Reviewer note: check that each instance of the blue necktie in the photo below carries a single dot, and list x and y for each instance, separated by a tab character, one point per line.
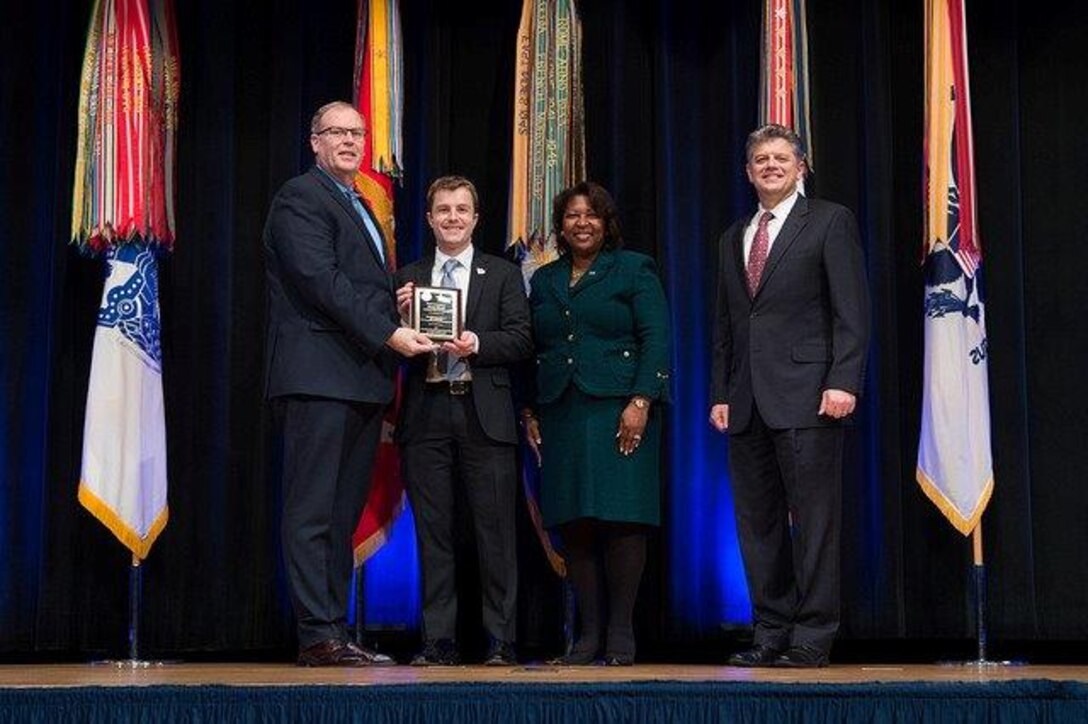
450	369
375	235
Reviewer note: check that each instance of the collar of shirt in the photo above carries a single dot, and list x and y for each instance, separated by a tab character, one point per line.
461	274
781	211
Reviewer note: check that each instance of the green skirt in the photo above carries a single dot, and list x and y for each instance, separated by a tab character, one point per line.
583	473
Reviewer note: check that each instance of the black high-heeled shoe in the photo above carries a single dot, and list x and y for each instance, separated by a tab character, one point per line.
576	657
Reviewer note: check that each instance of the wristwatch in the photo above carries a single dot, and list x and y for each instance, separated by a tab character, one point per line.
640	402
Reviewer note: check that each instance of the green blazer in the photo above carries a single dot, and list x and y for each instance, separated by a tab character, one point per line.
608	334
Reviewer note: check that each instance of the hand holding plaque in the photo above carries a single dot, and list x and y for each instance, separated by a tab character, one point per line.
436	312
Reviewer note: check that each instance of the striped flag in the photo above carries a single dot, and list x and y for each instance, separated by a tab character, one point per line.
378	88
783	70
123	209
955	469
549	155
549	126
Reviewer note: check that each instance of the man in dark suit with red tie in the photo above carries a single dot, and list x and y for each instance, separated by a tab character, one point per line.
790	339
331	353
457	427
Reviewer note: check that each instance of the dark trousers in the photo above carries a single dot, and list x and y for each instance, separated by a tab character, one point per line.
792	571
328	455
450	446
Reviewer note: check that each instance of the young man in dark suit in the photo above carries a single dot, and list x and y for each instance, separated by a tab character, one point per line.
333	335
457	425
790	340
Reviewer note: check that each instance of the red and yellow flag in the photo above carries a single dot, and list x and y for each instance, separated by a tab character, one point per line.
378	97
125	161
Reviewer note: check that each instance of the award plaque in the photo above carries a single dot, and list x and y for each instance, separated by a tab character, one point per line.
436	312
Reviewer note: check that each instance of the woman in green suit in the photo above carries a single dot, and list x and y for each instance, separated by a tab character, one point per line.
600	324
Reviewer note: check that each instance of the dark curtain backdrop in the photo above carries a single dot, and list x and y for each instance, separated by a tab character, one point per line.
670	95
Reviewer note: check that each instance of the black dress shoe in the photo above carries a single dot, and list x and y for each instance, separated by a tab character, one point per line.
576	657
758	655
802	657
619	659
330	652
500	653
438	652
368	656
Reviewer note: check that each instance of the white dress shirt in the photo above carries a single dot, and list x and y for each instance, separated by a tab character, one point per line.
781	211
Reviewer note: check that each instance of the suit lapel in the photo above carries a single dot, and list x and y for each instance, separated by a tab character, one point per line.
787	235
477	278
598	271
349	209
560	280
738	251
421	272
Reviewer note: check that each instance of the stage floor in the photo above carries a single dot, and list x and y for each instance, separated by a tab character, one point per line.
273	675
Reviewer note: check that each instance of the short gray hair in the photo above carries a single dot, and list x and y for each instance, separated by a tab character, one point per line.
315	122
770	132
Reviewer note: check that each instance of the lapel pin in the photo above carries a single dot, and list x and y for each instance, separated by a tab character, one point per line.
481	270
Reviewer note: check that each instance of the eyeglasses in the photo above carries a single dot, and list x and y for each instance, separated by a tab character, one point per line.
339	133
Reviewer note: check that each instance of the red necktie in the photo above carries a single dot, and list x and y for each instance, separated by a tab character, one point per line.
757	255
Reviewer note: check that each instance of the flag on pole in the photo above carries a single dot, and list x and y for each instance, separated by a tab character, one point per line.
123	477
123	209
549	155
378	88
783	69
955	468
549	151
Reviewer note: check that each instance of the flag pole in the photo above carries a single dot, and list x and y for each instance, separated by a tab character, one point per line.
135	586
135	595
358	574
981	632
980	593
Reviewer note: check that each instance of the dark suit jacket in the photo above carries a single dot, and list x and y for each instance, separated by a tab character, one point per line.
609	335
332	304
806	330
497	311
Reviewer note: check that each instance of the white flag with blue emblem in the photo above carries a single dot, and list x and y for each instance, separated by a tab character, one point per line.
123	479
955	469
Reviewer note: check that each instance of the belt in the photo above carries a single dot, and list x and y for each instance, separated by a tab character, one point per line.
453	387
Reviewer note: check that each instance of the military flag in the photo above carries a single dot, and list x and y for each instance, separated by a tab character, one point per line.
378	84
549	127
548	156
123	210
955	469
783	69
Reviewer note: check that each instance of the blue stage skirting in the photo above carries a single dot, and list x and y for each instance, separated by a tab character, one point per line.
1015	701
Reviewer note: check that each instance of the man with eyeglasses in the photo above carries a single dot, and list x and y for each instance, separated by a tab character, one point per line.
331	353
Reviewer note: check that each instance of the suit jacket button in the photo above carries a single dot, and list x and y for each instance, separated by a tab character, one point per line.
570	360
